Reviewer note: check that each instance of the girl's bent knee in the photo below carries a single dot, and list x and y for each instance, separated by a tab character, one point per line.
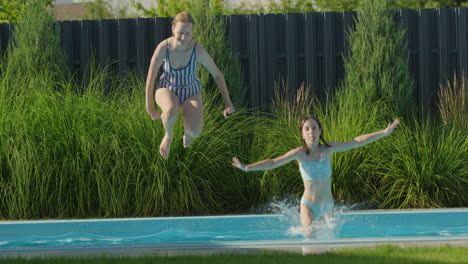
170	115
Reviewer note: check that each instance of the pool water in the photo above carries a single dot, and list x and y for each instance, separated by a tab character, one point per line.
441	224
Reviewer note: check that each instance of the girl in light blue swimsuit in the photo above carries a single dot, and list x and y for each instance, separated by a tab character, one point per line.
315	167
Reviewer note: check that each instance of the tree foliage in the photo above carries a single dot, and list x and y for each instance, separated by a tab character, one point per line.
98	10
102	9
11	10
167	8
275	6
35	45
348	5
377	68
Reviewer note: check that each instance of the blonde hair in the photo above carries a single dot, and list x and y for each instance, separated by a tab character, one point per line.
183	17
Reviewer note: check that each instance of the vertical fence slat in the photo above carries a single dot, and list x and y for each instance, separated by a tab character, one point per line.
160	29
4	37
234	31
94	40
104	53
462	41
404	23
67	44
424	61
348	23
330	54
131	49
253	52
85	43
443	47
311	52
141	46
272	36
263	59
122	44
291	57
85	46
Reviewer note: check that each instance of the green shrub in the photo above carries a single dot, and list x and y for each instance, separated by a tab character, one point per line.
423	166
210	31
78	151
453	103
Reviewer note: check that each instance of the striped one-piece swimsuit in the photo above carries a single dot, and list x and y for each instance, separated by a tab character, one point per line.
183	82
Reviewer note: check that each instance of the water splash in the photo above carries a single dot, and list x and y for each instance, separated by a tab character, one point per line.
326	228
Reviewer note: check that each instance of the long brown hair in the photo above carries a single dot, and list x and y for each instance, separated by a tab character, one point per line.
301	124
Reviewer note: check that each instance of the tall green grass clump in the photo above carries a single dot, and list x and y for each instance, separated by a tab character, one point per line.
422	164
377	68
35	45
453	102
32	56
210	30
77	151
377	88
32	59
429	165
426	167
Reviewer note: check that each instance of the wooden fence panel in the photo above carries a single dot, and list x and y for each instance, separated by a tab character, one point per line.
302	48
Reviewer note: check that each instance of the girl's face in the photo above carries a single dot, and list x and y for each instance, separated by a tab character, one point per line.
311	132
182	32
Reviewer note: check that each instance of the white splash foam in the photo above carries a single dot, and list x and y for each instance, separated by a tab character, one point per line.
324	229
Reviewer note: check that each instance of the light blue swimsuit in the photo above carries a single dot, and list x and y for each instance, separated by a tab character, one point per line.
317	170
183	82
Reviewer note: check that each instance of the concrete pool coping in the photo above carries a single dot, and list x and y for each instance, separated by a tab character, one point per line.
238	247
351	212
232	247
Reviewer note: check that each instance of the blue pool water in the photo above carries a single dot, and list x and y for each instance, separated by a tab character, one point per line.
443	224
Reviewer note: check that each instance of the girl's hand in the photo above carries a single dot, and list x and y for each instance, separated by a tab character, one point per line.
155	115
228	110
236	163
391	126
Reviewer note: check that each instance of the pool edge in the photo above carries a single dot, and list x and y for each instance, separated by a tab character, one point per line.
241	247
184	249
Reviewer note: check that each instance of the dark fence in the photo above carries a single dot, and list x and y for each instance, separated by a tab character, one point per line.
304	48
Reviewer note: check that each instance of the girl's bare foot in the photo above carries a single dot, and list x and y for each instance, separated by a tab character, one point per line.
165	146
187	140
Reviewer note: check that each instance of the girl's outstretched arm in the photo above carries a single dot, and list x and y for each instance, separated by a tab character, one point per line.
206	60
364	139
155	64
268	163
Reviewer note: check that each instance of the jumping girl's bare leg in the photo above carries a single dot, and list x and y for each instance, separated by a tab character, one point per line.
192	110
169	104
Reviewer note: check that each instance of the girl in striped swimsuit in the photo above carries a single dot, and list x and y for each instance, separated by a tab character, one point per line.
179	85
315	167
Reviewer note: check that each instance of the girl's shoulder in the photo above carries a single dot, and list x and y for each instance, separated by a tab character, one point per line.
198	46
163	45
326	149
299	152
